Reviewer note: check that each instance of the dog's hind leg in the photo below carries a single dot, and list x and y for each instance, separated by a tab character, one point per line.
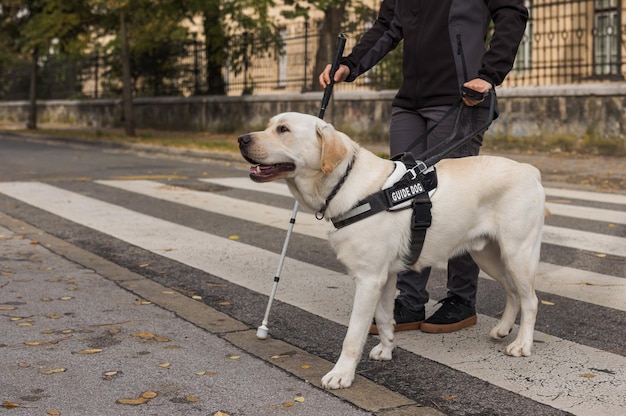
384	321
368	292
523	268
489	259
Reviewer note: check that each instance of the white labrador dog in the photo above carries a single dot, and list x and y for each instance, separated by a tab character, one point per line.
491	207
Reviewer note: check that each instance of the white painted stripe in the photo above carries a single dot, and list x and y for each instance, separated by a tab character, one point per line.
306	223
587	213
551	376
587	196
607	291
590	287
584	240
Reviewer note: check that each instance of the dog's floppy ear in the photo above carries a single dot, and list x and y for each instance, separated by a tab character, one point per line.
333	149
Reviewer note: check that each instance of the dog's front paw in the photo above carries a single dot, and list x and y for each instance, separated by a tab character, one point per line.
337	380
381	353
519	348
498	332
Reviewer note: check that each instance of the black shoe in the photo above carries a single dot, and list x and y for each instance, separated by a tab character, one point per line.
406	319
453	315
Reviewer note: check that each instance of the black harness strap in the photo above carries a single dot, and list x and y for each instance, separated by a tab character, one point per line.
420	221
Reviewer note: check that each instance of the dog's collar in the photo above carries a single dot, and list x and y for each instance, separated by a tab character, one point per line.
320	214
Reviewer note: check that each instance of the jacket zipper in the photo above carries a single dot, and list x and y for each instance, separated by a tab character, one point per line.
459	51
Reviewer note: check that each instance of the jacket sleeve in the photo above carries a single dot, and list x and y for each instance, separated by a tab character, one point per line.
509	18
375	43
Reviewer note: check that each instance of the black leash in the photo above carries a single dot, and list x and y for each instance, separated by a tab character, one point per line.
451	142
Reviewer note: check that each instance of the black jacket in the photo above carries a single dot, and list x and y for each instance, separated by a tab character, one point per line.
444	45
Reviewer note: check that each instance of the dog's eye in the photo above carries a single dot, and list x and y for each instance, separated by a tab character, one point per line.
282	129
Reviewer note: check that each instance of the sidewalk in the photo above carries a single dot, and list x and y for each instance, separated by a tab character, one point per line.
83	336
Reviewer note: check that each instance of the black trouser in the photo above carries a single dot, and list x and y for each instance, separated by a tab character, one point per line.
406	126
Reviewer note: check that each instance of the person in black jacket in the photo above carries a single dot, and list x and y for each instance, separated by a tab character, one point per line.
444	49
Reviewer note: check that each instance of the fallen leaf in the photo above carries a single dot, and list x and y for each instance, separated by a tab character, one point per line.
276	357
143	265
287	404
164	365
299	399
224	303
110	373
234	357
588	375
454	396
7	308
53	412
196	297
48	331
90	351
305	366
114	331
46	299
132	402
24	324
53	316
546	302
65	298
10	405
161	339
34	242
143	302
146	335
219	413
53	371
149	394
192	399
205	373
601	255
233	237
168	292
172	347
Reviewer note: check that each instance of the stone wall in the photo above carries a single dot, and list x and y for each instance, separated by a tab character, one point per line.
587	112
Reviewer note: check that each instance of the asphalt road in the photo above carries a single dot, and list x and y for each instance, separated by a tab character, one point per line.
190	223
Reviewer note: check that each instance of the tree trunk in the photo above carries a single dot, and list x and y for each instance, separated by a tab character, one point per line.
127	94
329	29
31	124
215	40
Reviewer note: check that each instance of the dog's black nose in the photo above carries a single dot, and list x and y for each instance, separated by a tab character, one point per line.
244	140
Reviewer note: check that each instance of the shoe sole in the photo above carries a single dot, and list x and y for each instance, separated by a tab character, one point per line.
446	328
409	326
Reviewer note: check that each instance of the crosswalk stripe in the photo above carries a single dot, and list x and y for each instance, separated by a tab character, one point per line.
586	213
586	195
232	207
469	351
584	240
608	291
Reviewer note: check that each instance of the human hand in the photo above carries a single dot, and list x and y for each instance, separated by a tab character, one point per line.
479	85
340	75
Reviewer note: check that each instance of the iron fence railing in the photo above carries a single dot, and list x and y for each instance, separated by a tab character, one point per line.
566	42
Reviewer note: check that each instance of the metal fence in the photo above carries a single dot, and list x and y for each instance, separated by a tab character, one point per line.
566	42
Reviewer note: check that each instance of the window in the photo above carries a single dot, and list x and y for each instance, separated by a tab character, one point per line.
524	52
606	38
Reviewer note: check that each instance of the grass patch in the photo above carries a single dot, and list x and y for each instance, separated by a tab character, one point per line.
193	140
